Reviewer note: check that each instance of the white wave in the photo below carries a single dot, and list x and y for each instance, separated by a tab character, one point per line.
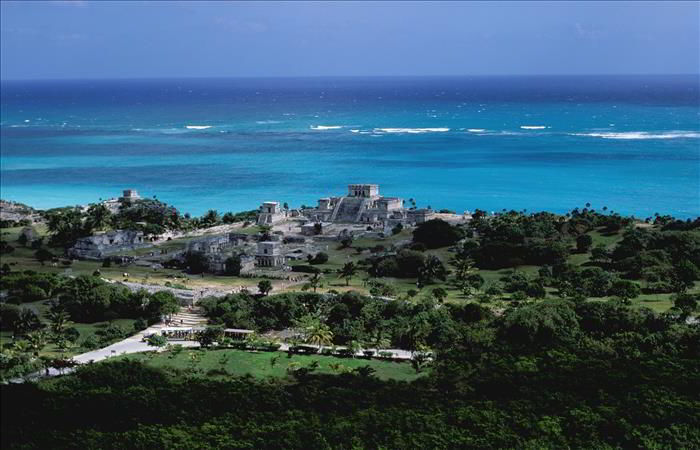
325	127
475	130
634	135
354	131
267	122
197	127
411	130
533	127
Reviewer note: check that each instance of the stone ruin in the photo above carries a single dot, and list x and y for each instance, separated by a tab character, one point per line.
271	213
105	244
269	254
362	205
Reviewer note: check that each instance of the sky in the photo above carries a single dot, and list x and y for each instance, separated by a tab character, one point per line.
81	39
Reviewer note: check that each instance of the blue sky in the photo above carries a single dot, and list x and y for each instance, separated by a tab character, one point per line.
78	39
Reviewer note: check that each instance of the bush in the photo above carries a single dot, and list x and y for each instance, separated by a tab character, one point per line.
111	333
306	269
9	315
139	325
157	340
625	289
320	258
584	243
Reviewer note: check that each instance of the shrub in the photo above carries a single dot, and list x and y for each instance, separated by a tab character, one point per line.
305	269
320	258
157	340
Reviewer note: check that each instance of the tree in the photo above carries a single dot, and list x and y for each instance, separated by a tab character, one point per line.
264	287
432	269
210	219
348	271
440	294
37	341
98	217
196	262
464	271
421	358
161	303
27	322
86	298
314	282
233	265
346	242
437	233
314	331
600	253
42	255
59	318
209	335
687	304
625	289
583	243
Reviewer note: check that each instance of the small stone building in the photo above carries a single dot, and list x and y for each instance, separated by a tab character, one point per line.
271	213
420	215
269	255
130	195
101	245
311	229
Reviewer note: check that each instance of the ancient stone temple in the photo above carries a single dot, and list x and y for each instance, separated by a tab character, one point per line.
130	195
362	204
271	213
269	254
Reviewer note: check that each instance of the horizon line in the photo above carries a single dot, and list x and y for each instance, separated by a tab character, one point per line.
248	77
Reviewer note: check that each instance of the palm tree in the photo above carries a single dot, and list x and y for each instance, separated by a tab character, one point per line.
59	321
432	268
320	335
97	217
348	271
464	269
315	332
315	281
37	341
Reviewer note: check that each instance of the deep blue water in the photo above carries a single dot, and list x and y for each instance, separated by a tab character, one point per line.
541	143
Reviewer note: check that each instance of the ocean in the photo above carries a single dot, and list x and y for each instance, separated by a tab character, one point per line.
630	143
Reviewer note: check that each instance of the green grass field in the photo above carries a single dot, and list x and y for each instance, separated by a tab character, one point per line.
261	365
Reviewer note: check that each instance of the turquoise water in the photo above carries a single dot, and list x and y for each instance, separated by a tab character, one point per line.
536	143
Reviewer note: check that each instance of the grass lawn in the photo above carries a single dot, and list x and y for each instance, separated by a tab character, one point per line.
239	363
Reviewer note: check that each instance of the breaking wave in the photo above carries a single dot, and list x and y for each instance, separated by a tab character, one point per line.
197	127
267	122
326	127
634	135
533	127
411	130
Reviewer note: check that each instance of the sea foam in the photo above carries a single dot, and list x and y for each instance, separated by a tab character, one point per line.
635	135
533	127
197	127
411	130
325	127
